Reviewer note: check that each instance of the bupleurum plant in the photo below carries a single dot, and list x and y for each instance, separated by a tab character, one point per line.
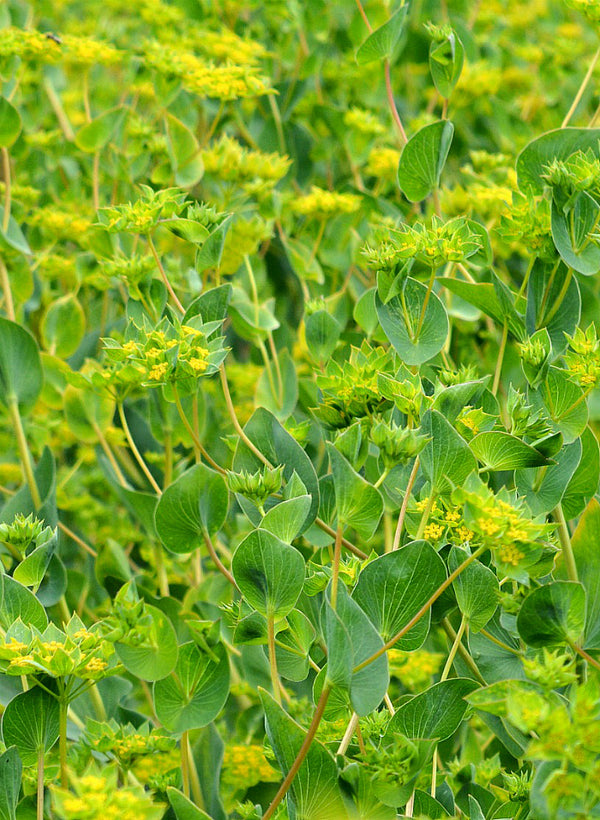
299	410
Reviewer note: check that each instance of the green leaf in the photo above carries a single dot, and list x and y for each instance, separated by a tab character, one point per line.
279	447
16	601
423	159
436	713
293	646
570	232
184	152
446	459
586	549
563	402
476	589
584	482
415	324
210	253
427	806
544	491
558	144
446	60
183	807
553	614
281	402
87	412
156	657
30	572
501	451
63	326
21	375
394	587
96	134
286	520
31	723
484	295
322	335
13	237
544	289
10	783
314	792
380	44
10	123
358	504
195	693
269	573
194	505
351	638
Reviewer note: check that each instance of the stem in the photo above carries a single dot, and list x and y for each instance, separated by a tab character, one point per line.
58	109
161	573
62	742
411	480
96	180
425	608
110	456
454	649
498	370
425	303
312	731
582	653
24	454
164	276
135	451
582	87
565	542
364	16
185	764
273	658
337	554
348	544
275	359
96	699
350	729
197	443
278	125
40	785
218	563
234	419
7	188
73	535
559	299
9	306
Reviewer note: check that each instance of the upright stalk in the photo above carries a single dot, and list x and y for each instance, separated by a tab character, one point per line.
273	658
565	542
24	454
40	784
62	740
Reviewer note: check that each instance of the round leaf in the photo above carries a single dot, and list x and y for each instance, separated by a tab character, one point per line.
157	656
20	366
10	123
63	326
423	159
31	723
553	614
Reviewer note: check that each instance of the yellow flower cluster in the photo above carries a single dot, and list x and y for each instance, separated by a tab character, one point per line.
414	669
364	121
98	796
589	8
223	45
29	45
224	82
85	51
60	224
583	357
321	203
244	766
446	522
228	160
383	163
243	238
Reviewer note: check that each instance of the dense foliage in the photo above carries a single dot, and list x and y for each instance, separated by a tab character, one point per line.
299	369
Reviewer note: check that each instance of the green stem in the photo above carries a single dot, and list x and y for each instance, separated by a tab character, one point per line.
273	658
582	87
98	703
565	542
197	443
135	451
24	454
424	609
9	306
500	360
40	784
425	303
425	516
559	299
337	554
96	180
454	649
164	276
62	741
110	455
278	124
217	561
185	764
411	480
310	735
7	188
234	420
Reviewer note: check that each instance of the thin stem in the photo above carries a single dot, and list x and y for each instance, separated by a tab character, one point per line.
218	563
364	16
197	443
411	481
454	649
498	371
337	554
59	111
350	729
499	643
164	276
24	454
347	544
96	180
185	764
565	542
278	124
582	87
425	303
273	658
135	451
62	741
9	306
425	608
312	731
40	784
582	653
275	359
234	420
7	188
161	572
392	103
73	535
110	456
559	299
